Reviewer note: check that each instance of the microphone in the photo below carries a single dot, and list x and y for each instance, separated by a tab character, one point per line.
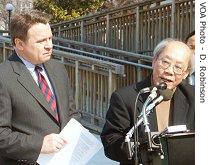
160	86
167	94
164	95
153	94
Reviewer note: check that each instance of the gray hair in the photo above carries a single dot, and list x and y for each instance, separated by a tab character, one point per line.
162	45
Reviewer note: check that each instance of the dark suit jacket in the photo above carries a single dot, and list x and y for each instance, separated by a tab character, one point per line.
119	118
25	115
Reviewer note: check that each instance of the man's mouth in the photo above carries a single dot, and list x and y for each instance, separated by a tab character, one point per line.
166	80
47	53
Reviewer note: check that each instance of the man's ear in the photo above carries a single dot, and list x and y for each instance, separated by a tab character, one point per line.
19	44
153	61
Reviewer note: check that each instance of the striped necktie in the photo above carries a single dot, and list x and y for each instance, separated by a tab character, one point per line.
49	96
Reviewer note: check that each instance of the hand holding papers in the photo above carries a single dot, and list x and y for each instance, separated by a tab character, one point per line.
81	146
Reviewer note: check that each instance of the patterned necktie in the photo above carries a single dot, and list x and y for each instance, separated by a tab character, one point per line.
49	96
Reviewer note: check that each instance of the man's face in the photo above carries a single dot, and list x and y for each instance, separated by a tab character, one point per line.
171	65
191	43
37	48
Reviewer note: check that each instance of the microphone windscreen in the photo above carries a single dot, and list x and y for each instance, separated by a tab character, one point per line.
167	94
162	85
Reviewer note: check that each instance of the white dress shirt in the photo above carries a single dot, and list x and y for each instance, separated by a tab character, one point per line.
31	68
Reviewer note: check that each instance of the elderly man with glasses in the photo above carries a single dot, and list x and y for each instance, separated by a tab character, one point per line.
171	64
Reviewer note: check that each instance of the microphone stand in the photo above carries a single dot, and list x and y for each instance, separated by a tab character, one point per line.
149	109
162	86
146	110
145	118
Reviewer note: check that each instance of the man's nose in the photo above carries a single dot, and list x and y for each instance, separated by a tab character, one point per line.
49	44
170	69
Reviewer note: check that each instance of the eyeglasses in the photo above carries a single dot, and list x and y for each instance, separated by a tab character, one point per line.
164	64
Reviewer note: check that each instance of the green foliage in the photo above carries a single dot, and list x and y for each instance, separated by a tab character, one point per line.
62	10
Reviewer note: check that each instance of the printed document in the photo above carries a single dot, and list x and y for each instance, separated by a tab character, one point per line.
81	146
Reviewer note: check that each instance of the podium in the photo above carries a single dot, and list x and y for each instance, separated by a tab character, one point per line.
179	149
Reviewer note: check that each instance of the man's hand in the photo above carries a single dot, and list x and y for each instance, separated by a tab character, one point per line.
52	143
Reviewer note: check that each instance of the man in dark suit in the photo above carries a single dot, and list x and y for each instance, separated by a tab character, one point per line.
171	64
35	97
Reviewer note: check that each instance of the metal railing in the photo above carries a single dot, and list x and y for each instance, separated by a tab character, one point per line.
137	66
93	81
6	48
135	28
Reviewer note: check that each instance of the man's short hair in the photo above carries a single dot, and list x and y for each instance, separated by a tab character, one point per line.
189	35
22	22
161	46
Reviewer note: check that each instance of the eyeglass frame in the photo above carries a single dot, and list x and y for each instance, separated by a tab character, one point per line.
168	64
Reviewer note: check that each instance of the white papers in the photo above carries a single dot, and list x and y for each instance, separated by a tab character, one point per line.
81	147
175	129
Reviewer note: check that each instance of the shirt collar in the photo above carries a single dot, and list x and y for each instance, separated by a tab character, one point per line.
28	64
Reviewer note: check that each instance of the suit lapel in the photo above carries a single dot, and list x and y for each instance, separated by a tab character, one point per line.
26	80
180	108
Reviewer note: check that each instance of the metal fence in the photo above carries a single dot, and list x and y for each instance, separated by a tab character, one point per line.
133	72
93	81
136	28
5	48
